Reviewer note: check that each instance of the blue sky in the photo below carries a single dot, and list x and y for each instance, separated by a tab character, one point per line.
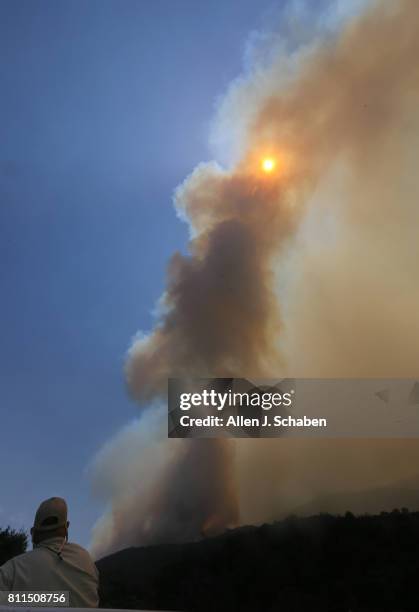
105	107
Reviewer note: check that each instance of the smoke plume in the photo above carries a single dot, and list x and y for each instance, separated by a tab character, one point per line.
308	271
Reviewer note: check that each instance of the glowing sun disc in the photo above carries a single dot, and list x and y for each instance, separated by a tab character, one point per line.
268	164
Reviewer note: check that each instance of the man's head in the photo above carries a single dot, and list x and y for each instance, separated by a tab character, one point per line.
50	520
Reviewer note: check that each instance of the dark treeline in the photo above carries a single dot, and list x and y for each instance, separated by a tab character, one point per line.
321	563
12	543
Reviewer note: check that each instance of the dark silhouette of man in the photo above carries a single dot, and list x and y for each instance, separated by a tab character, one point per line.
54	564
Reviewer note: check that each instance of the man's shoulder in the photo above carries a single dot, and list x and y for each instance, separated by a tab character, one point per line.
81	553
22	558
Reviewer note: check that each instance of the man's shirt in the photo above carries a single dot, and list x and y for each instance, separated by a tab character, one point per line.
50	566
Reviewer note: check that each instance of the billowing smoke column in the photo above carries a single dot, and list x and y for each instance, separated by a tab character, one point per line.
307	270
220	316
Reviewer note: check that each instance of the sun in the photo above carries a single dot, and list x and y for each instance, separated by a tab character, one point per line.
268	164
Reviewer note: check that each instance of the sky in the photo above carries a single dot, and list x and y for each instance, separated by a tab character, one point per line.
105	107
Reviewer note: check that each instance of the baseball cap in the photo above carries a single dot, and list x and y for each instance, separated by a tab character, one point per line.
51	514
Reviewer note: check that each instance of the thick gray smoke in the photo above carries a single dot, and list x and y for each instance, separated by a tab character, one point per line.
309	270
